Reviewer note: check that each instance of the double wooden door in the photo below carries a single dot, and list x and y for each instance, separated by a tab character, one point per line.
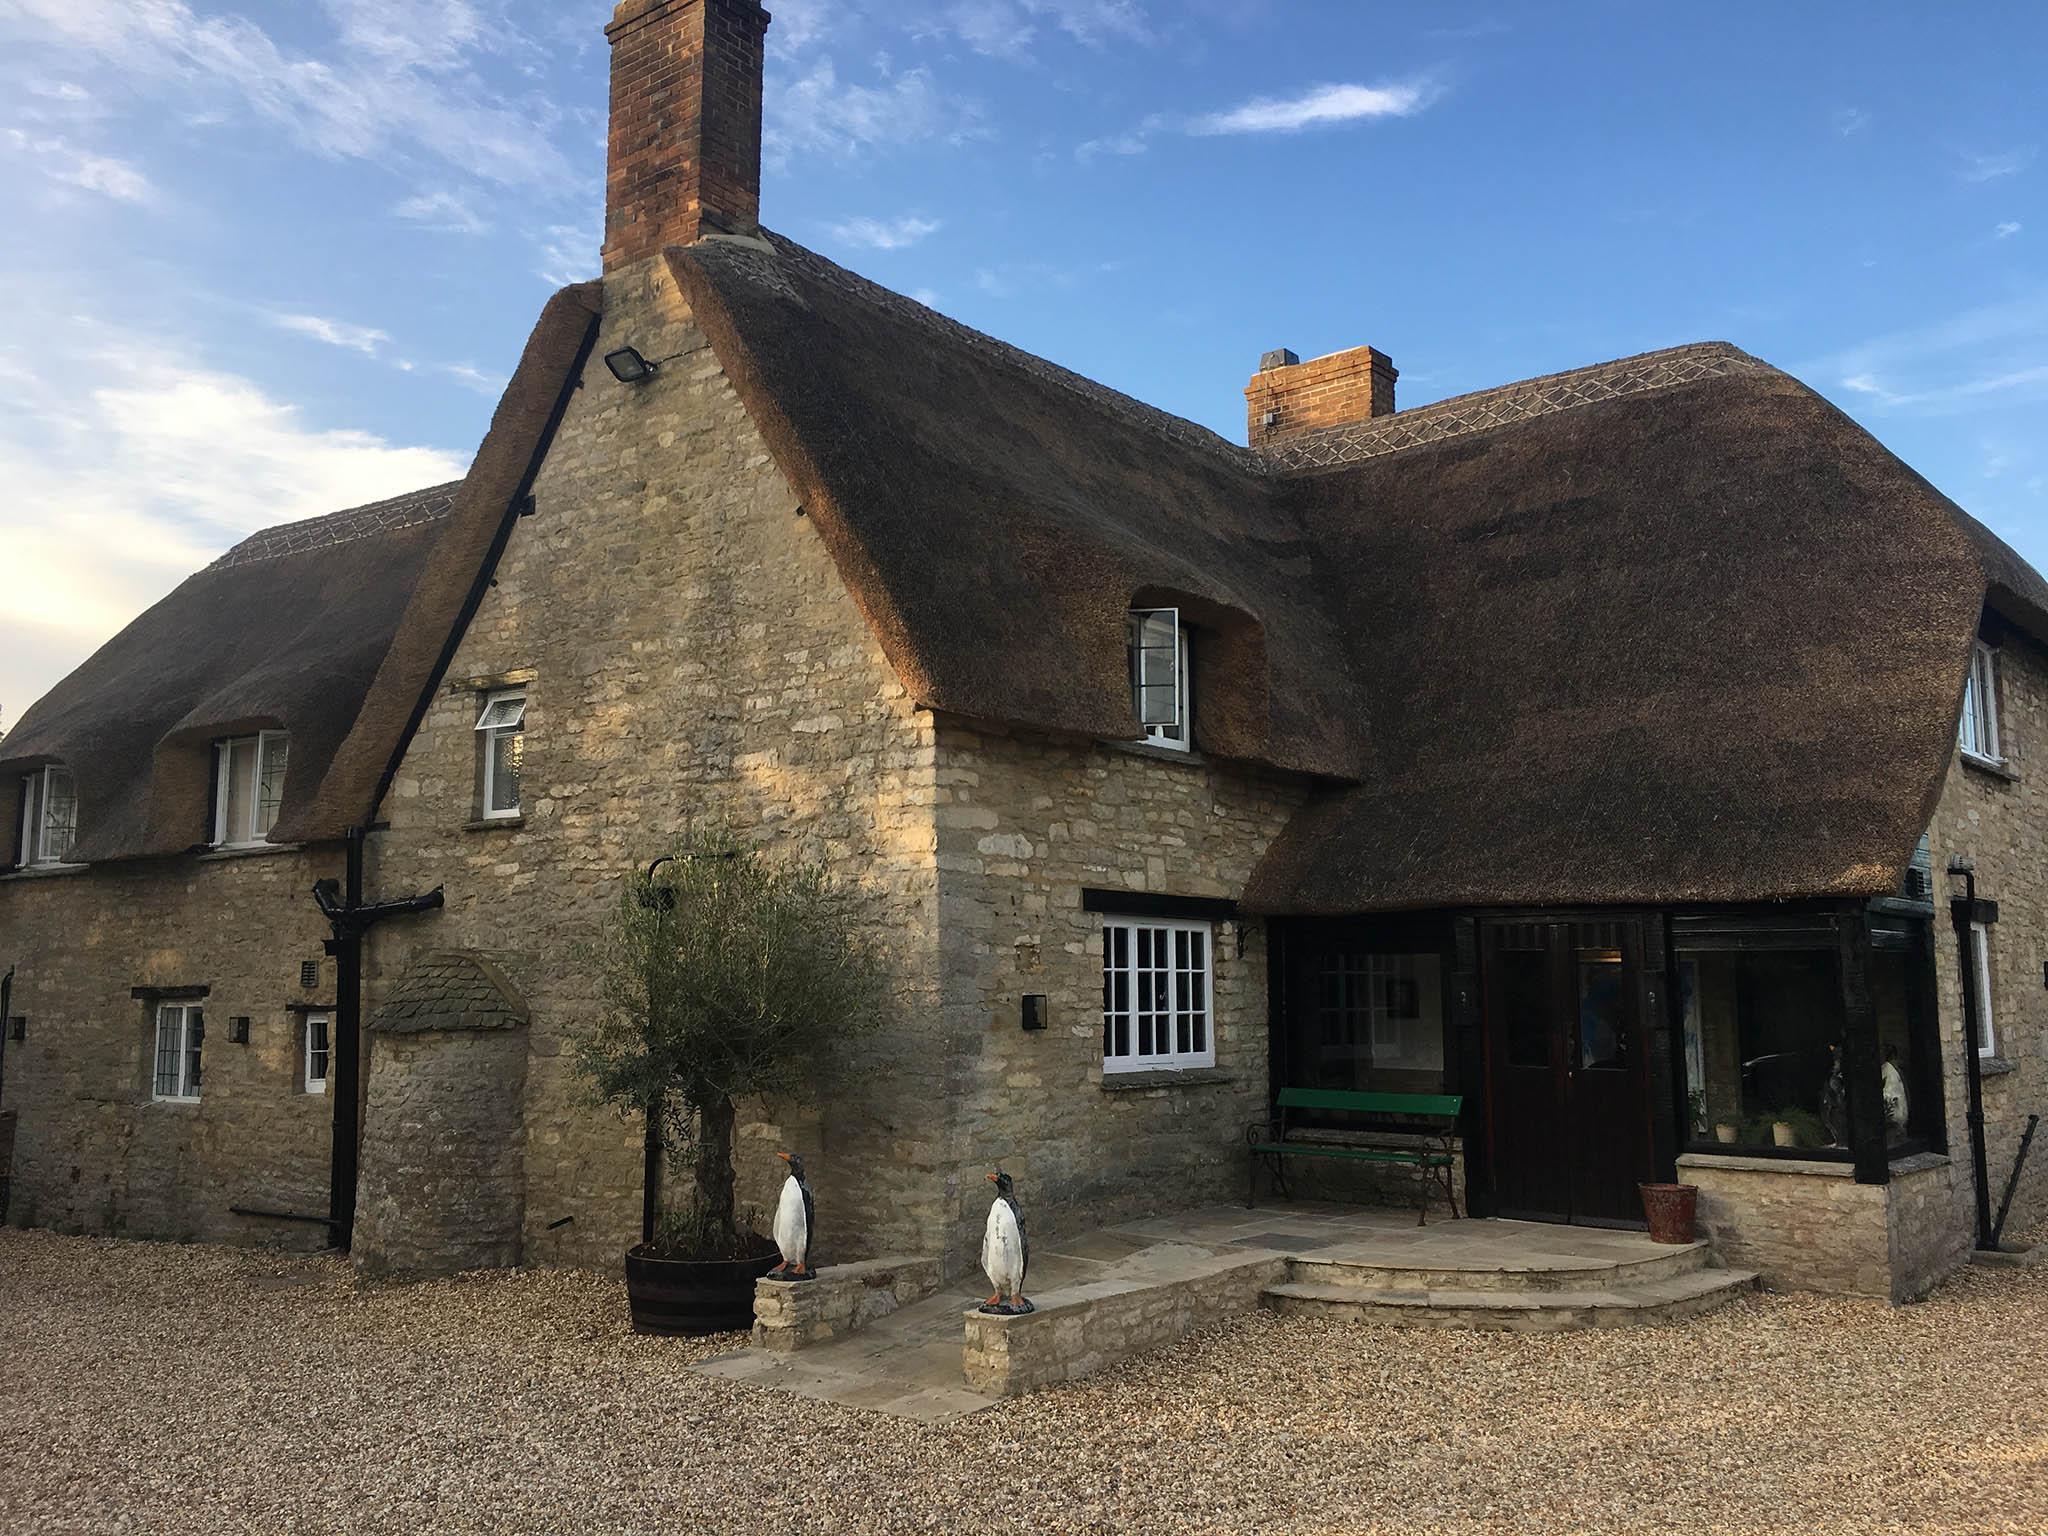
1567	1069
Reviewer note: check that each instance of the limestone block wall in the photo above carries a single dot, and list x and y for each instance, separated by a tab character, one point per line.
1025	824
443	1185
1928	1244
1800	1225
688	650
2000	821
93	1153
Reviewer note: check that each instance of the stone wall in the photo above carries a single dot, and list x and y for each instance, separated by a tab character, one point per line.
443	1185
688	650
93	1152
1999	819
1928	1244
1024	826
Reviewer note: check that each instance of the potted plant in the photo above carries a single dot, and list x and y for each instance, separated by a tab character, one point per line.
1726	1132
724	975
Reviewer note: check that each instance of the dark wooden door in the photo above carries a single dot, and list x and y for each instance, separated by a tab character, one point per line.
1567	1088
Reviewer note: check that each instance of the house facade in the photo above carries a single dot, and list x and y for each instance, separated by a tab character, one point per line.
1586	747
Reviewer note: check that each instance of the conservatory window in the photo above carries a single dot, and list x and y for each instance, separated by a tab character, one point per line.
248	787
501	739
1156	987
49	816
1159	676
1379	1024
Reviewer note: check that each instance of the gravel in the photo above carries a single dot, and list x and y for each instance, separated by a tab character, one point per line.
152	1387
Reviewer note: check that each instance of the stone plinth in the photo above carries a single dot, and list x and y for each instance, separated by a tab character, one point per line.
1082	1329
788	1314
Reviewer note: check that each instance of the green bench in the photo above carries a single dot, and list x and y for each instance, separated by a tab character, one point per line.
1408	1129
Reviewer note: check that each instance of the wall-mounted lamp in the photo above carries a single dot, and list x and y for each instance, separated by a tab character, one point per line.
629	367
17	1027
1271	420
238	1030
1034	1010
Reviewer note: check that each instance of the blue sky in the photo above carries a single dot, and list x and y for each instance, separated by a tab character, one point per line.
266	259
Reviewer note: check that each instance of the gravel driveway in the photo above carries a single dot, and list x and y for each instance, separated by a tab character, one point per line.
158	1388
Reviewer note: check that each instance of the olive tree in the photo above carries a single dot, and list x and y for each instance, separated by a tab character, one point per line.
725	974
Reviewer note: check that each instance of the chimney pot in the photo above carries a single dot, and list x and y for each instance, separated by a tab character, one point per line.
685	143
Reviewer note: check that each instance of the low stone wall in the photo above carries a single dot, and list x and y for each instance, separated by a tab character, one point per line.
1083	1329
1810	1226
789	1314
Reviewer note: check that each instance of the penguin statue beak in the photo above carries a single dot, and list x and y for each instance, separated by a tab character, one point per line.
783	1155
991	1178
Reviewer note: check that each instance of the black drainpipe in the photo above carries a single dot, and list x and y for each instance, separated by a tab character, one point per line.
6	1024
350	919
1963	913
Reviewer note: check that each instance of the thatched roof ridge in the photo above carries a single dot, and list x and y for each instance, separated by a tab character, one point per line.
388	516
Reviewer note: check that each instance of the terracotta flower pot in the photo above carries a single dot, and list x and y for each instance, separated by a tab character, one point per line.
1672	1209
1725	1133
693	1296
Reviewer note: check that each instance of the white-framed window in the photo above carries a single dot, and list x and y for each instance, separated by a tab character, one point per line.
1156	987
180	1031
1159	677
501	729
49	816
1978	733
318	1052
1980	958
248	787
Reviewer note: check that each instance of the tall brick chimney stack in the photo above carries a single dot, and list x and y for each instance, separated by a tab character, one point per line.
686	124
1288	398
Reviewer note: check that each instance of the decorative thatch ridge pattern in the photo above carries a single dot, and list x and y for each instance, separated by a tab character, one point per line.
1510	403
340	527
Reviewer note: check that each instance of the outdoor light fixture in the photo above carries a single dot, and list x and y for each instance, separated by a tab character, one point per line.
629	367
1034	1010
238	1029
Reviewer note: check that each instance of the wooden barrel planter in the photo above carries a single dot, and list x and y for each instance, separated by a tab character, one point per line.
693	1296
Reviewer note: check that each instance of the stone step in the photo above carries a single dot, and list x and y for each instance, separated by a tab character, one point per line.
1492	1274
1651	1301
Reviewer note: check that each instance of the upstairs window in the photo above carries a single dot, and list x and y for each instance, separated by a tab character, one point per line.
1978	735
1156	988
1159	676
248	777
180	1031
501	741
49	817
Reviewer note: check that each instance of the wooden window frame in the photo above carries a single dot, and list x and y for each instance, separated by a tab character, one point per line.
488	733
255	833
312	1084
1176	735
188	1053
34	838
1977	734
1190	1005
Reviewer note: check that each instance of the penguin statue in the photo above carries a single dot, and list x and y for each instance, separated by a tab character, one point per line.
795	1215
1005	1250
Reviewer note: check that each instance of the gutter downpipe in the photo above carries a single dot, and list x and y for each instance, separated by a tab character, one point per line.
1962	914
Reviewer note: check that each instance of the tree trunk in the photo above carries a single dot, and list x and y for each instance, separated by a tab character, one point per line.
714	1168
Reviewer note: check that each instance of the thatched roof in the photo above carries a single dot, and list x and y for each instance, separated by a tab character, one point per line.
284	630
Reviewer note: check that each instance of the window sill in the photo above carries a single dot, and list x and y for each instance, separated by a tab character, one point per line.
45	871
227	851
1158	754
1991	767
1186	1077
1756	1160
1993	1066
494	824
175	1103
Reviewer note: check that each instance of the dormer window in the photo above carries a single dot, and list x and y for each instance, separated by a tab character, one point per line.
1159	677
248	779
1978	735
49	817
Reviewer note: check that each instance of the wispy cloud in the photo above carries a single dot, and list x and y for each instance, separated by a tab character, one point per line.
444	210
819	113
335	333
886	234
799	24
469	376
1321	106
1134	141
567	253
1850	121
1994	167
1977	360
1009	28
2007	230
63	161
394	85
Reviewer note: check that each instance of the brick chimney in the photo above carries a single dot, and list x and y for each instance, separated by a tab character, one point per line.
1288	398
686	124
